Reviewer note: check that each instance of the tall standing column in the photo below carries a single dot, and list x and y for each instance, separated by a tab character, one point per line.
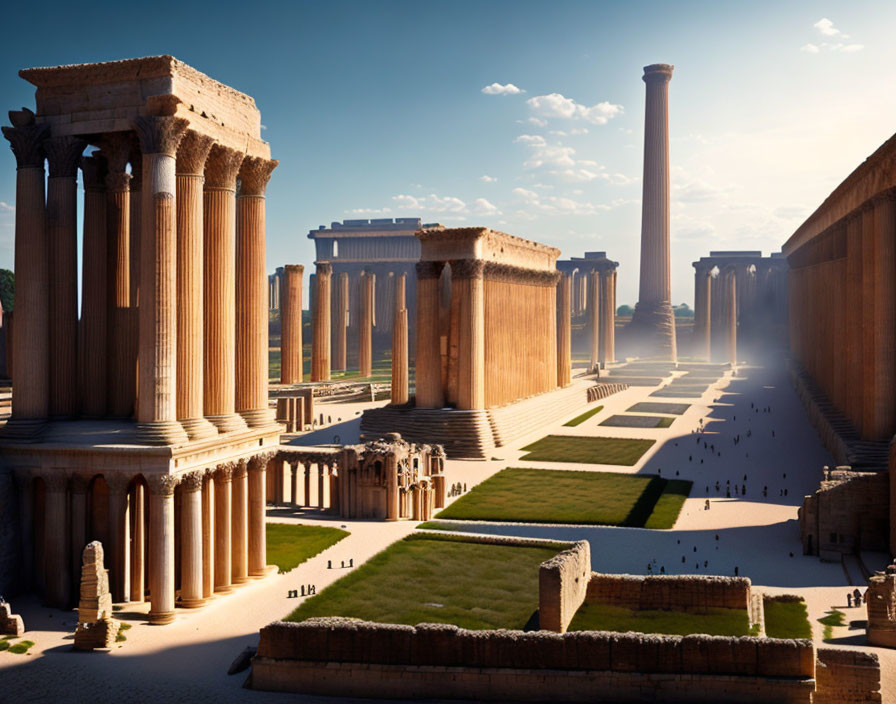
653	320
251	289
138	542
607	317
731	314
428	364
340	354
291	354
594	310
208	535
240	524
136	160
467	276
257	539
77	526
223	498
30	402
220	296
320	334
157	382
121	342
56	535
191	594
400	343
365	344
63	156
161	541
704	283
119	536
564	333
192	154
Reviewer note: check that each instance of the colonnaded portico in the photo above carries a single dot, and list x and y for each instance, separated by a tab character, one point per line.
165	455
593	304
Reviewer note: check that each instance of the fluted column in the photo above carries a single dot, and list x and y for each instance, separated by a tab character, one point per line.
320	332
161	540
136	223
251	289
77	526
400	343
704	332
340	354
564	333
257	536
138	542
30	402
192	154
220	296
594	309
365	344
294	484
156	393
63	156
466	275
119	546
121	341
731	314
653	319
208	535
428	364
239	569
291	354
191	593
56	546
223	498
607	317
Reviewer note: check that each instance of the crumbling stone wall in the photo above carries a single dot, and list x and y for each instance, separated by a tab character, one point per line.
562	585
881	604
679	593
847	677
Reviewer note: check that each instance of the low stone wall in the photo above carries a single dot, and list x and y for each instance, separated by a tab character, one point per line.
847	677
345	657
684	593
562	585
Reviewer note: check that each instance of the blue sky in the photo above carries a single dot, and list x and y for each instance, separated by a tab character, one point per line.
377	109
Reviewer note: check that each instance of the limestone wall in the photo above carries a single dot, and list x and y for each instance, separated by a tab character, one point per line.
847	677
686	593
562	585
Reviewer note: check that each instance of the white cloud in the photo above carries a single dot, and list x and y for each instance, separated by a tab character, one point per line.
448	207
488	179
369	211
826	29
526	194
550	155
574	175
537	121
7	207
535	140
555	105
498	89
810	48
483	207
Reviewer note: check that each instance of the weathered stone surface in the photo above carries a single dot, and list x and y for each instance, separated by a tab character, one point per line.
96	627
10	624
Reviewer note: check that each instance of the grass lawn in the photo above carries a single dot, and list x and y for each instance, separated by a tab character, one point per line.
578	420
786	618
438	579
289	545
21	647
835	617
638	421
561	496
716	622
569	448
672	409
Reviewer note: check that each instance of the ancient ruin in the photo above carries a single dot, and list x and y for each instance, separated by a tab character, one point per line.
592	304
96	627
10	624
881	604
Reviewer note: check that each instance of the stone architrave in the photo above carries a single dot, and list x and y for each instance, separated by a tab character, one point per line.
96	627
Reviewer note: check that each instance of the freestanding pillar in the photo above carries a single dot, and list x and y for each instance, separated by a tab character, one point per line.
467	277
607	317
653	322
291	355
240	533
208	535
138	542
221	170
191	157
594	308
320	340
428	365
119	536
222	528
365	344
704	308
340	354
191	594
30	402
257	538
136	224
400	344
730	289
63	156
564	333
156	408
161	543
251	294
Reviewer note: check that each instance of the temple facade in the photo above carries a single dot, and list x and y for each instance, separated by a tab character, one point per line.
592	282
147	425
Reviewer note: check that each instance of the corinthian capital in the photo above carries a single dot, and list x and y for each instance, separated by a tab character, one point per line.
261	460
160	135
162	484
324	269
26	138
94	170
222	166
193	153
254	175
117	147
192	481
64	155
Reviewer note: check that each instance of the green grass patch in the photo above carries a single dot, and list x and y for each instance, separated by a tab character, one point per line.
715	622
786	618
834	617
623	421
289	545
4	645
21	647
578	420
440	525
587	450
121	637
438	579
671	409
518	495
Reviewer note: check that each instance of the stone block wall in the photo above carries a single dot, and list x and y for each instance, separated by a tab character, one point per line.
847	677
562	585
880	602
681	593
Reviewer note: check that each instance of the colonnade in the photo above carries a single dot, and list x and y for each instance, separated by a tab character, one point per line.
174	539
170	230
304	481
291	348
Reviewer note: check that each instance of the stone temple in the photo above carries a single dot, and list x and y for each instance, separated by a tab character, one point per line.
129	408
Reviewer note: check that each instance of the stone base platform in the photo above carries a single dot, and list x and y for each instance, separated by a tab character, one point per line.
474	434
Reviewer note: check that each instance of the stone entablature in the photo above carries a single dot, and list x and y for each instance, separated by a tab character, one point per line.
484	244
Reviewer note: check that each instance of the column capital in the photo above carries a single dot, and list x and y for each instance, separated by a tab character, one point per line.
224	472
295	268
429	270
116	148
192	481
55	481
254	175
64	155
193	153
94	170
222	166
162	484
467	269
242	465
26	138
323	268
160	135
658	73
117	482
261	460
